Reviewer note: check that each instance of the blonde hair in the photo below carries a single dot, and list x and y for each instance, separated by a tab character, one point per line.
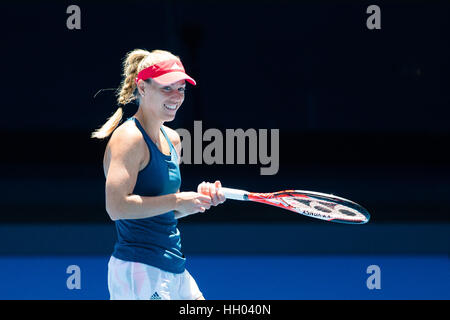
134	62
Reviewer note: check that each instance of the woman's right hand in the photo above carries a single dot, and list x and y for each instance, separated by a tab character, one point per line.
192	202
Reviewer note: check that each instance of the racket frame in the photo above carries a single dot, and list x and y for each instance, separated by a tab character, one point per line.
243	195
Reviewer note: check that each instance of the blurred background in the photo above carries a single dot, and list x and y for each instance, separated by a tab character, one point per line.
362	114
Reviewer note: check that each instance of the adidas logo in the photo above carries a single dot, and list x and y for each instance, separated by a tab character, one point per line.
155	296
175	66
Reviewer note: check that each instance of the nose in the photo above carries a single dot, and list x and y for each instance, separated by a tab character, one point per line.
178	96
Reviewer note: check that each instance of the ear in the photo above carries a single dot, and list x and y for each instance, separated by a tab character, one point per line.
141	87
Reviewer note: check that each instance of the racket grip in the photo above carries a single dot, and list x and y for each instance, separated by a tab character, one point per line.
234	194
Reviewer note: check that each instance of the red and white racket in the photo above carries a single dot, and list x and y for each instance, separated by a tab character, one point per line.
312	204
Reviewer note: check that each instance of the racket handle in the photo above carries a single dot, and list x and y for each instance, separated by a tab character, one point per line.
234	194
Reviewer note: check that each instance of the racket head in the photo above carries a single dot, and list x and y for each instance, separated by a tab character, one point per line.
316	205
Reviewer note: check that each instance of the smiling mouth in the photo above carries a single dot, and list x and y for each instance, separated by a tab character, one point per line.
171	106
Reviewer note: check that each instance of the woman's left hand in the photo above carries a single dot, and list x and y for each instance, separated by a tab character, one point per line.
212	190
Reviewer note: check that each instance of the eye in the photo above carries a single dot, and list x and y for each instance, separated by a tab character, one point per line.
182	89
167	88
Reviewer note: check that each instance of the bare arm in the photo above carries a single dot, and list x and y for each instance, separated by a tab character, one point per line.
126	154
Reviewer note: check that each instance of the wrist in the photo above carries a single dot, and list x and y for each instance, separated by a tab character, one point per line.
176	201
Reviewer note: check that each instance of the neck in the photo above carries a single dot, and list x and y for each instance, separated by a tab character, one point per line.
151	124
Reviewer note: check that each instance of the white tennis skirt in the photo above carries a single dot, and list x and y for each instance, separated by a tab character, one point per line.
137	281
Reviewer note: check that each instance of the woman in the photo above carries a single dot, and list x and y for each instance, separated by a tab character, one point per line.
143	180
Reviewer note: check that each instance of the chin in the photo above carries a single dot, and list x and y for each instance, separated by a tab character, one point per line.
169	118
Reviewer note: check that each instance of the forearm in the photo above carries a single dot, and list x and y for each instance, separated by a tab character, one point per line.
179	215
140	207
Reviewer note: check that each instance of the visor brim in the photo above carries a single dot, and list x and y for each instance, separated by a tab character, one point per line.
172	77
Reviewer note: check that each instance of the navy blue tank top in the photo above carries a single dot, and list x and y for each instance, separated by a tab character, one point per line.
155	240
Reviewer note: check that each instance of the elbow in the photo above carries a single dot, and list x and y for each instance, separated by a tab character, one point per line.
113	217
113	214
114	203
113	211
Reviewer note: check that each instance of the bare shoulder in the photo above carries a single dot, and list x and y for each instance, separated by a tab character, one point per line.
175	139
173	136
126	145
127	136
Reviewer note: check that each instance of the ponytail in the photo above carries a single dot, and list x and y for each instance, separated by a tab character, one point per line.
110	125
125	93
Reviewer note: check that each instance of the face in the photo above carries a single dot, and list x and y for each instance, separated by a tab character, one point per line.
162	101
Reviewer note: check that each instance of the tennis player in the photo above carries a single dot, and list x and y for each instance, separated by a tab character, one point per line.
141	165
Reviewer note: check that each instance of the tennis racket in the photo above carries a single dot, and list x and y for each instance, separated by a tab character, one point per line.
312	204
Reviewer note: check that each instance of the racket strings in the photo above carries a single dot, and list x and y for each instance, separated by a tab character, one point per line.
322	209
314	204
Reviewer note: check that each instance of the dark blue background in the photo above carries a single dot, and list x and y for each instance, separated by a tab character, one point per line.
362	113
